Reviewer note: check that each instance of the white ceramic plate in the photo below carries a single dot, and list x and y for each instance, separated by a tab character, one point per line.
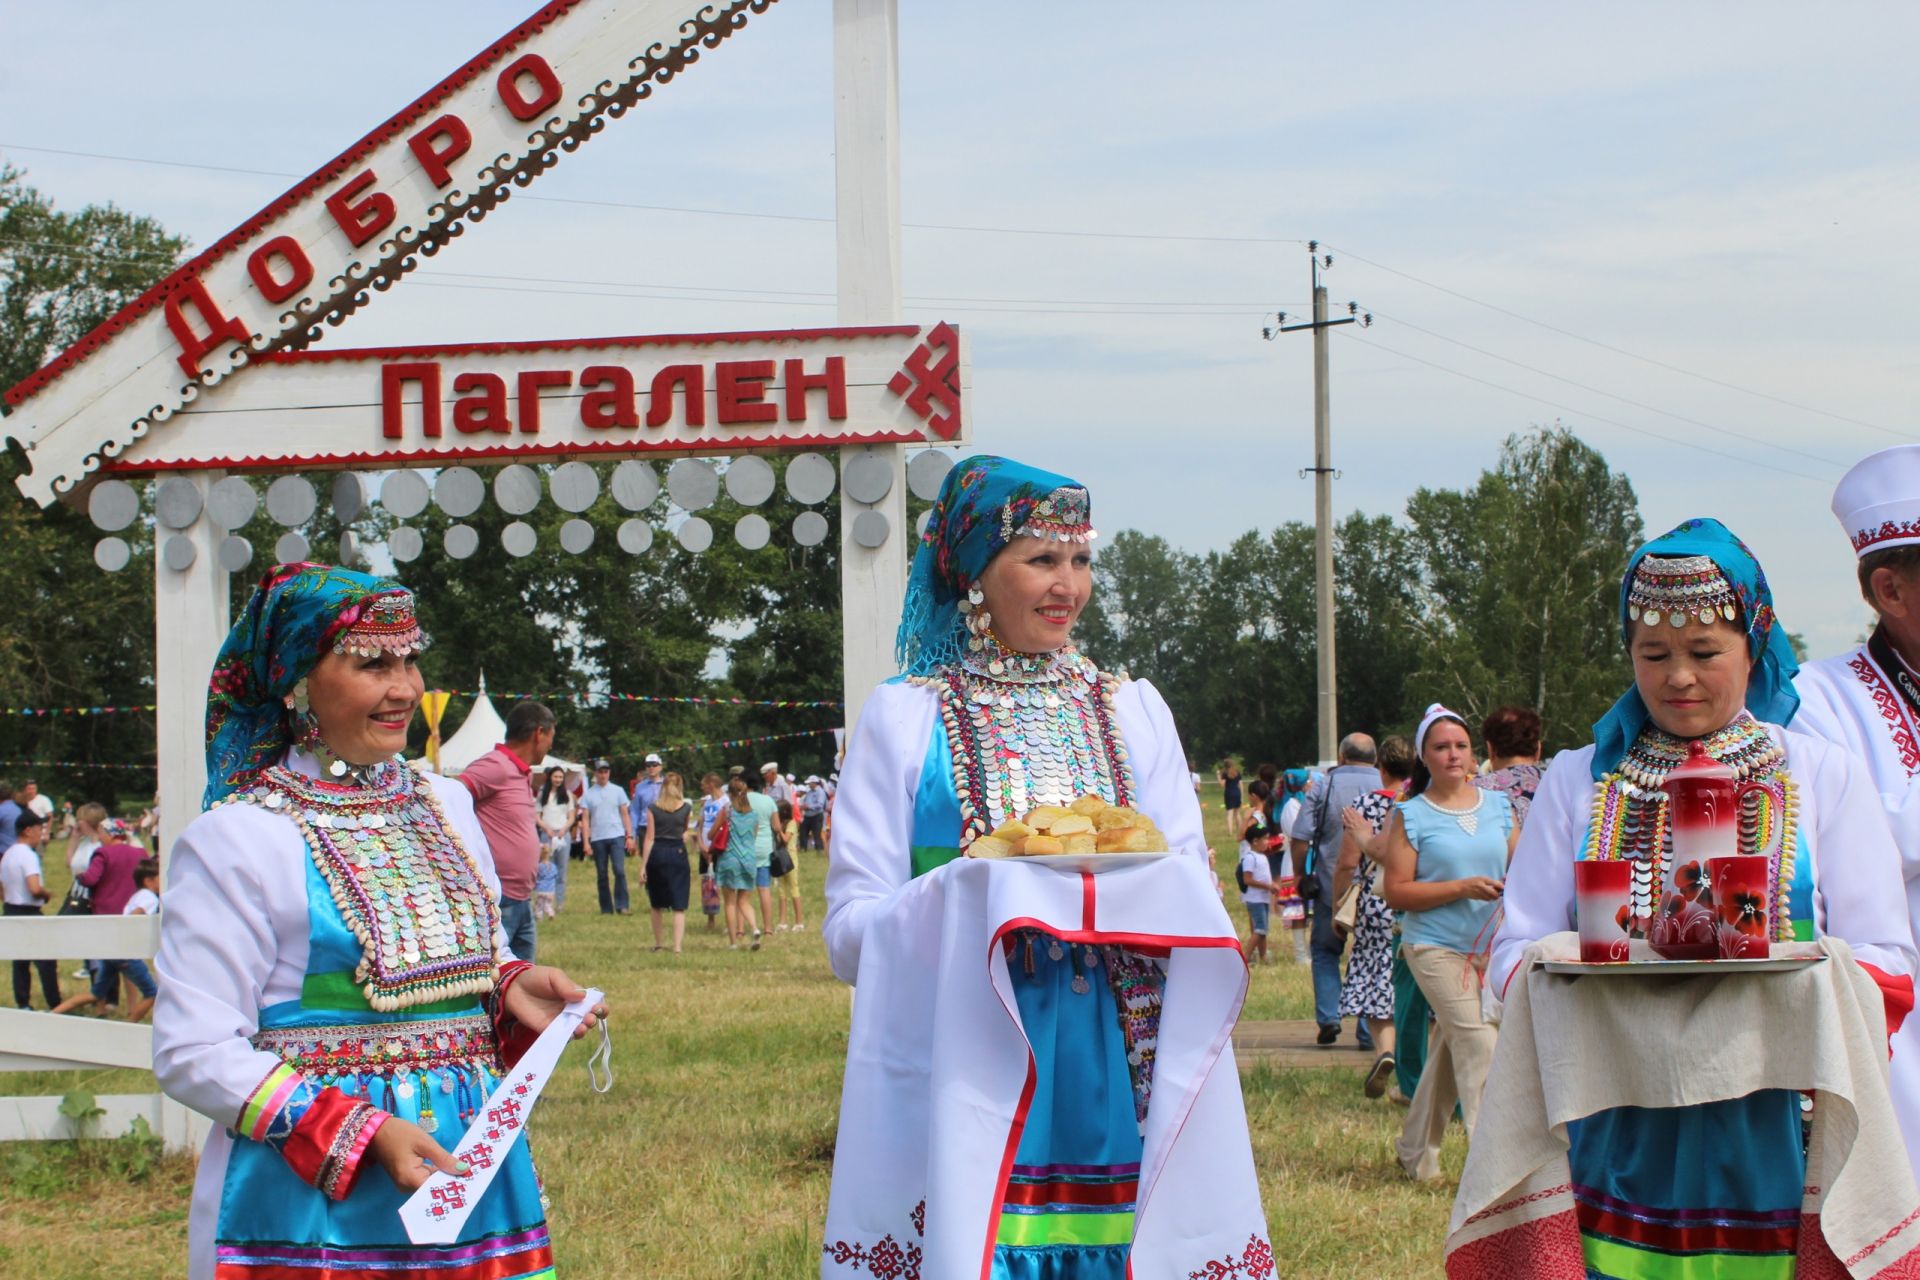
1089	861
1641	968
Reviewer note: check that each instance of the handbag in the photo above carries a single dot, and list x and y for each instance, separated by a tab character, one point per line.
782	863
1346	912
718	837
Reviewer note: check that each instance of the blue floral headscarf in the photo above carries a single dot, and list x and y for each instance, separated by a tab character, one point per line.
287	626
984	503
1770	694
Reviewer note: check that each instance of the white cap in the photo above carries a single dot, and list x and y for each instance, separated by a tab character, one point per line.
653	757
1878	502
770	767
813	778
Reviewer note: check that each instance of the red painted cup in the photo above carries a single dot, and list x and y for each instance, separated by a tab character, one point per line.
1742	902
1601	891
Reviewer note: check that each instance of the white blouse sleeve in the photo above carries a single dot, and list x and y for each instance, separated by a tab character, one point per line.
236	886
1857	873
1160	775
1538	899
872	855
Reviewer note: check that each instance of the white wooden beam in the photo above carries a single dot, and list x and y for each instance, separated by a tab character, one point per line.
74	937
50	1042
39	1119
190	619
866	117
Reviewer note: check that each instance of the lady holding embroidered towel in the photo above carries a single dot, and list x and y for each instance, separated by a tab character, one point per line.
336	992
1446	862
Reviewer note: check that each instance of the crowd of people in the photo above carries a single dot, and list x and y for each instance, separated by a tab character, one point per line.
114	872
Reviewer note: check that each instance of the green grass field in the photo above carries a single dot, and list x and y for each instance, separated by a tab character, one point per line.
711	1157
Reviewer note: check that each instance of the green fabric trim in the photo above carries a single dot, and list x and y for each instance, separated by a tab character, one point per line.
1037	1230
928	856
1620	1261
338	990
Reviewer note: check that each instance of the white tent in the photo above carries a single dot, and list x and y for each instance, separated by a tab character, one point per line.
479	733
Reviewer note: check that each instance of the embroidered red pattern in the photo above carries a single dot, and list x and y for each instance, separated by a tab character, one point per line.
1564	1189
1888	703
888	1259
1254	1263
1891	1232
1546	1248
1887	532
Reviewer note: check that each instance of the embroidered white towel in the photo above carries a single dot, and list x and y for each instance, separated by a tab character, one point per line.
435	1213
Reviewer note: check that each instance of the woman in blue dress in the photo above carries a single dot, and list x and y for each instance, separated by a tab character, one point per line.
336	992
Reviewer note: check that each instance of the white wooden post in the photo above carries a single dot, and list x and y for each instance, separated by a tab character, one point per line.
190	619
866	129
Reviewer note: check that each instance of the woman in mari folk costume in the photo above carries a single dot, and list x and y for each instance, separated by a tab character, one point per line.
1711	666
1039	1085
337	995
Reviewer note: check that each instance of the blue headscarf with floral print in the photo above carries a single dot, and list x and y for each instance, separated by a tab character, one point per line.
288	625
985	502
1770	694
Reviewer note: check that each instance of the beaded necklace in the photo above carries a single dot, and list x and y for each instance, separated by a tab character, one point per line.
405	885
1630	812
1027	729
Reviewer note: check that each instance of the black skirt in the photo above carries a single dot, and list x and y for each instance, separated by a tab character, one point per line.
667	876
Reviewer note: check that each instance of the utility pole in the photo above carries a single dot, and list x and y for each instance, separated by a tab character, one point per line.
1323	477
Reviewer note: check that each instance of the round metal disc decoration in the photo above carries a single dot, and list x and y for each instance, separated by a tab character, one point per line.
752	532
235	553
290	549
635	537
459	491
696	534
925	472
232	502
519	539
404	494
810	478
635	486
574	486
868	477
178	553
692	484
291	500
920	525
112	554
517	489
176	503
576	536
810	528
349	550
112	506
349	497
870	529
750	480
405	544
462	540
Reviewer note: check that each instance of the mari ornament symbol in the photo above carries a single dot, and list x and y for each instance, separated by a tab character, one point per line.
922	380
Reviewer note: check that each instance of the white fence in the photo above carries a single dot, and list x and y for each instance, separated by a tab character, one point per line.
44	1042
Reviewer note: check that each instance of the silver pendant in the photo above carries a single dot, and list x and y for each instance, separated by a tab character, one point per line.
1054	950
1080	986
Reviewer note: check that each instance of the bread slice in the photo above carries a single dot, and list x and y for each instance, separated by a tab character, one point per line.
1087	806
1131	840
990	847
1072	824
1043	817
1037	845
1079	842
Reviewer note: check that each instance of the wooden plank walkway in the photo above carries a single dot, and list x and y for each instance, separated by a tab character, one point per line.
1290	1044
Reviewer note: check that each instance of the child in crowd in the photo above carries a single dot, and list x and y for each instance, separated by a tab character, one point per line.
713	800
787	888
546	885
1256	893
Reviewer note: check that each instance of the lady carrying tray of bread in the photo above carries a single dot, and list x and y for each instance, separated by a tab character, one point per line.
1069	1108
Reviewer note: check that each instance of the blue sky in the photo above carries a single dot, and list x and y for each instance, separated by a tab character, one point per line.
1728	189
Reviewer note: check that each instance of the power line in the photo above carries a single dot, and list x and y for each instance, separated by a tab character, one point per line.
1565	408
1621	351
714	213
1666	413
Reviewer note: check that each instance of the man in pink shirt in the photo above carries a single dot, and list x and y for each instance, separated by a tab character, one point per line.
502	789
110	874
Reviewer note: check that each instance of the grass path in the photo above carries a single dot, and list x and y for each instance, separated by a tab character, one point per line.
711	1157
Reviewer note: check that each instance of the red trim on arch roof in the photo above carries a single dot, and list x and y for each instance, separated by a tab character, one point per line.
323	356
327	173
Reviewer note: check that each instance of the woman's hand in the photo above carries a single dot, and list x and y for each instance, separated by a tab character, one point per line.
537	996
1481	888
1352	820
410	1155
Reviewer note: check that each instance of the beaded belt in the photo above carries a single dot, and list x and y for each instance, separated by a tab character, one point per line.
384	1049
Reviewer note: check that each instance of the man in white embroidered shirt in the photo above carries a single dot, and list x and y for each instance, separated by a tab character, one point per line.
1868	699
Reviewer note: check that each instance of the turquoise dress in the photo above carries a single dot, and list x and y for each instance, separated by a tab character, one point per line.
1699	1192
430	1063
1043	733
